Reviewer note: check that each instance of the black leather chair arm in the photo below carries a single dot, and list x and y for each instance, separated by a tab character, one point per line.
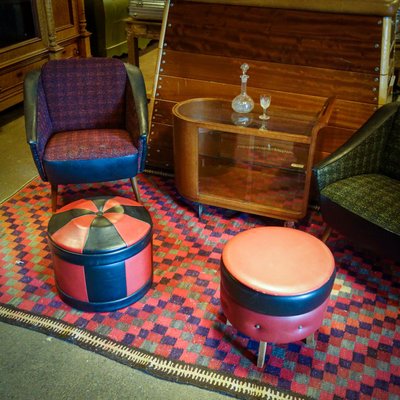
139	94
362	153
30	104
140	132
31	111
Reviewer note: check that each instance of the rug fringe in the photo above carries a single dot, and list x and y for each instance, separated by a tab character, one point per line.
155	365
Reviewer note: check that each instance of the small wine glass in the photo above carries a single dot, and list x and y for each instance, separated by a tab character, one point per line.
265	102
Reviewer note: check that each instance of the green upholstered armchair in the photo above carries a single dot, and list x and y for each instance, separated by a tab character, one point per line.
359	185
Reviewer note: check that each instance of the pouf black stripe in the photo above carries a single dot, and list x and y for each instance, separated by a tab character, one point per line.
102	235
60	219
110	305
271	304
137	212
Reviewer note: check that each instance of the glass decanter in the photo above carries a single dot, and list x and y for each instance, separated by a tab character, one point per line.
243	103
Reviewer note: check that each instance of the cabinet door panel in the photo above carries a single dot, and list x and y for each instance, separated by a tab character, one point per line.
63	13
65	19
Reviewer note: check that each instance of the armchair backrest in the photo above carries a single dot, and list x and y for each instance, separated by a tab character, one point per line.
391	157
84	93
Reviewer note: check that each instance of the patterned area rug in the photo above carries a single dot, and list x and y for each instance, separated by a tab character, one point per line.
177	331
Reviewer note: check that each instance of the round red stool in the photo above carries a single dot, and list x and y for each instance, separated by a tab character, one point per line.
275	284
102	252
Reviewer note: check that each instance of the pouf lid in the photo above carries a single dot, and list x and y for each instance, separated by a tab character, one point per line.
278	261
99	225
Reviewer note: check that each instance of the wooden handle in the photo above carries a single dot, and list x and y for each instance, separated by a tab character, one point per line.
326	112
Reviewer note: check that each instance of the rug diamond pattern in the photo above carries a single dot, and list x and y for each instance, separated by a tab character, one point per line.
357	355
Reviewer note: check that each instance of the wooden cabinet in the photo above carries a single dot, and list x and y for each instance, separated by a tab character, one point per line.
105	21
48	29
299	52
136	29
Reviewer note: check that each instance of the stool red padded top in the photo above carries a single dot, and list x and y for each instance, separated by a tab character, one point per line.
278	261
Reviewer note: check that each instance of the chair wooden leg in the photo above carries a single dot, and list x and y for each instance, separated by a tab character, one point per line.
135	188
261	354
54	191
326	233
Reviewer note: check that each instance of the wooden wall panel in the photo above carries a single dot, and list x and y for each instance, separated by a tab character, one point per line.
162	112
178	89
329	139
299	57
339	41
160	147
350	115
353	86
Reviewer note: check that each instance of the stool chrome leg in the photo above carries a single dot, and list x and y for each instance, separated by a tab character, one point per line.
261	354
326	233
310	340
199	210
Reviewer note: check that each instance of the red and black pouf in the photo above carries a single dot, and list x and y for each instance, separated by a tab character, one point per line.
102	253
275	284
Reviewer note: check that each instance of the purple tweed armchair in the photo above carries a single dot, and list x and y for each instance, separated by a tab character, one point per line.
86	121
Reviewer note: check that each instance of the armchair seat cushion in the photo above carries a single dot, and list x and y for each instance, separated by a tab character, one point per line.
85	156
370	196
89	144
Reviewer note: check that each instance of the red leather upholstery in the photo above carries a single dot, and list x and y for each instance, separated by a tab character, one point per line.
108	223
278	261
134	274
102	252
271	328
275	283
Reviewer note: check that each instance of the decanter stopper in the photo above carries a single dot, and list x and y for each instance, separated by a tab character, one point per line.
243	103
